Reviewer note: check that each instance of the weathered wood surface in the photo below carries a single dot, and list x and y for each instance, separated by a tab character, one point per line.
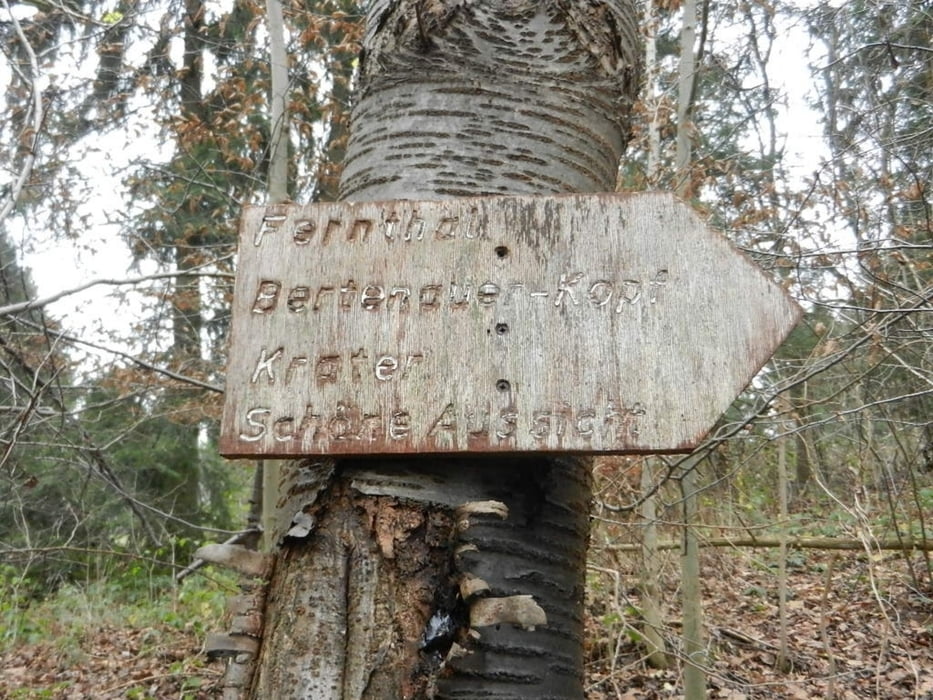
575	323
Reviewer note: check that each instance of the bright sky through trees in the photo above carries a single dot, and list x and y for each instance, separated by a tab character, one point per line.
96	251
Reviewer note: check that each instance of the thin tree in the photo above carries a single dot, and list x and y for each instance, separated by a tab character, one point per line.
650	569
694	649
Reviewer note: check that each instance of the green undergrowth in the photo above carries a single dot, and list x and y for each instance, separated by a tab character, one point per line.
63	618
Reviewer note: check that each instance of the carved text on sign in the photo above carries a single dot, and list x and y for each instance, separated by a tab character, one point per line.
611	423
578	323
293	370
402	224
569	290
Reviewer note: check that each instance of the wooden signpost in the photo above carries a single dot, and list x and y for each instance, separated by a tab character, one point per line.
576	323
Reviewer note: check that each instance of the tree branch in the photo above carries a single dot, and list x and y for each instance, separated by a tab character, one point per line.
876	44
38	118
828	543
135	360
22	306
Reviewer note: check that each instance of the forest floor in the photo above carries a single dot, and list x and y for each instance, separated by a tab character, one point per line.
857	629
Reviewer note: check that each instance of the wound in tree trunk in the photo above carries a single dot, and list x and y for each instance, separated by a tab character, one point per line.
454	577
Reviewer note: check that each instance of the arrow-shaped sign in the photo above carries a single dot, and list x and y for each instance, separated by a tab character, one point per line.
577	323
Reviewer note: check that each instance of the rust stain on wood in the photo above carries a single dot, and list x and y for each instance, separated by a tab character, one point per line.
577	323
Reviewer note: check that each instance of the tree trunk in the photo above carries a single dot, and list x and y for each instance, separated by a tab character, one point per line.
651	630
685	93
650	572
803	470
694	648
783	663
454	577
278	102
180	478
694	675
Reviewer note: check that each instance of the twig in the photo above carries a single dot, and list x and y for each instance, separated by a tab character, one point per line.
134	359
19	307
31	551
38	119
198	563
159	676
824	630
829	543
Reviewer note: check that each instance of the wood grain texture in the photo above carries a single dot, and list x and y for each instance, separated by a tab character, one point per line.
578	323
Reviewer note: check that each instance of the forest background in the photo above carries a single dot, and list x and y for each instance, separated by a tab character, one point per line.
135	130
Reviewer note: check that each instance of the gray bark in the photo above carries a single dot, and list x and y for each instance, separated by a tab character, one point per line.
694	675
455	98
694	648
463	98
278	141
650	572
686	82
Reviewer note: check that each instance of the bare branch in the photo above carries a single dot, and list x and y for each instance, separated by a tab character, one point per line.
135	360
13	553
37	120
827	543
250	533
878	44
22	306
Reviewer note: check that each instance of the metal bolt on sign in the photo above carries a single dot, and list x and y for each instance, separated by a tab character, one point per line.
600	323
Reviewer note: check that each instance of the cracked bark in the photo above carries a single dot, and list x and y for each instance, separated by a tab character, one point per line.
454	577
